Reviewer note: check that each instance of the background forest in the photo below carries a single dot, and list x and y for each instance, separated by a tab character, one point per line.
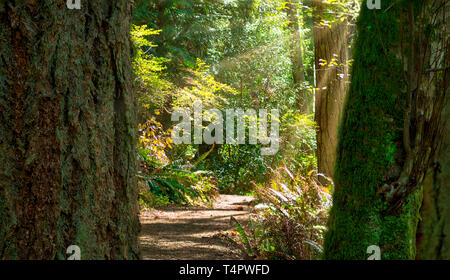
242	54
295	56
87	147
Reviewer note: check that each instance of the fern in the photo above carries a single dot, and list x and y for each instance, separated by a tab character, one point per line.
243	236
179	186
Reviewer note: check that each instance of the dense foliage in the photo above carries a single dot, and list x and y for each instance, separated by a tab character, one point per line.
241	54
290	222
247	44
233	54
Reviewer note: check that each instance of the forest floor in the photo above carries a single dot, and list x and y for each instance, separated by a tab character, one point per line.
187	233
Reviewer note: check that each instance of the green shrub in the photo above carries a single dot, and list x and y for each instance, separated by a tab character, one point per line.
148	200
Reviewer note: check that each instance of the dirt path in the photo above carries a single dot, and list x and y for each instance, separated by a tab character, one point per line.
192	233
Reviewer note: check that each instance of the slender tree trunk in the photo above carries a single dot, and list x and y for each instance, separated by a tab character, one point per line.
67	131
305	99
331	61
391	130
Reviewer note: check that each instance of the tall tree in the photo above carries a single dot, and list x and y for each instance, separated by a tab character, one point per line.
67	131
305	102
433	238
331	47
391	131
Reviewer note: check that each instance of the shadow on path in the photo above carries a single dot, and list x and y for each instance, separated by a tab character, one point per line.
191	233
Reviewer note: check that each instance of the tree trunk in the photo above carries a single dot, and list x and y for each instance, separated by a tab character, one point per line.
67	131
391	130
433	238
305	99
331	61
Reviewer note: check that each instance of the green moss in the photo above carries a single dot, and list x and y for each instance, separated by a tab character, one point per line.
370	145
399	232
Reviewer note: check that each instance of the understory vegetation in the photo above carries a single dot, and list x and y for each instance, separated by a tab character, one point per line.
236	54
335	121
290	221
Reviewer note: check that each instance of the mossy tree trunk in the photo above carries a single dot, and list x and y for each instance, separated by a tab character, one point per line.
391	130
67	131
331	46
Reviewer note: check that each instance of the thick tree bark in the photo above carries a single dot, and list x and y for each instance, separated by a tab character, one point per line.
67	131
305	99
391	130
331	61
433	238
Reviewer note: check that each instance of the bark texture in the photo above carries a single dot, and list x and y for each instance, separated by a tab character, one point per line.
391	130
331	62
67	131
433	238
